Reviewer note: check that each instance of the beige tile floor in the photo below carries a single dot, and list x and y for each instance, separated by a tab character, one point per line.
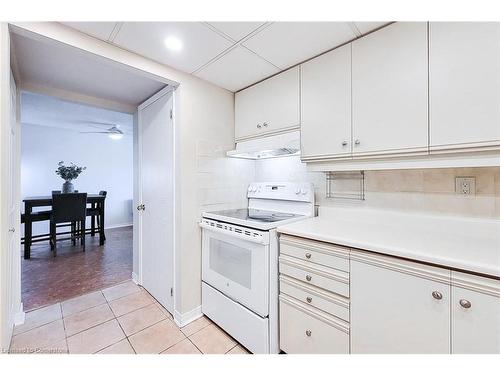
123	319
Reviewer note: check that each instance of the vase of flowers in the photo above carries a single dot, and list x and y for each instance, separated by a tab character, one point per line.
68	173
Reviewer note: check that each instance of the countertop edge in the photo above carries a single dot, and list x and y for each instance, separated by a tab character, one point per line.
454	264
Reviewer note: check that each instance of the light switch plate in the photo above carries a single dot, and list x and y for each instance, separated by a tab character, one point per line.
465	185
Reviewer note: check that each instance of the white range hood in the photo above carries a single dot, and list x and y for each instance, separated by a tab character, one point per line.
274	146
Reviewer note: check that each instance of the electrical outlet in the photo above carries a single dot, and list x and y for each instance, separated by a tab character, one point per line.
465	185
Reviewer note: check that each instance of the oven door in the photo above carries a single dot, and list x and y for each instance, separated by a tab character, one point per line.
237	267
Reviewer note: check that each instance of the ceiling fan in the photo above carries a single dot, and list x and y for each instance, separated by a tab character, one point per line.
113	132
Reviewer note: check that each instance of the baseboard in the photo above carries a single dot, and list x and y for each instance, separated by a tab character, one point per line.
19	315
118	225
135	278
184	319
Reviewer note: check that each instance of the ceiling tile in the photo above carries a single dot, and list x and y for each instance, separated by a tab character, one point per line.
236	30
288	43
366	27
237	69
200	43
101	30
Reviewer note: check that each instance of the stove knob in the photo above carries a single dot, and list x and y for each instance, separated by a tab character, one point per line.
254	189
297	191
249	189
304	192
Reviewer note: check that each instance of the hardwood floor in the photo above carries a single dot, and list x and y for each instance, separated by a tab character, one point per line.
47	280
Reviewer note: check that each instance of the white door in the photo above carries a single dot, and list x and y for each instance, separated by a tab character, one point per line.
396	312
475	315
464	84
389	90
326	105
270	106
156	137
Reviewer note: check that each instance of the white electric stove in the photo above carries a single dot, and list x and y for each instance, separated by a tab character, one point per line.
240	261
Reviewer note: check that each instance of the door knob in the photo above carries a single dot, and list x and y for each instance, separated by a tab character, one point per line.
308	277
357	142
437	295
12	230
259	126
308	255
344	143
265	124
141	207
465	304
309	299
308	333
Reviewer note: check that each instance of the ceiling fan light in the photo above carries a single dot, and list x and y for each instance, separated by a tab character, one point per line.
115	136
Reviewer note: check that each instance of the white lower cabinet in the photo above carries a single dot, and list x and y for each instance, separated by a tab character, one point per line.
309	331
475	314
398	306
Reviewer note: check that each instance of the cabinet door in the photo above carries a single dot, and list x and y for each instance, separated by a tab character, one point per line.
464	84
326	105
389	90
475	324
394	311
268	107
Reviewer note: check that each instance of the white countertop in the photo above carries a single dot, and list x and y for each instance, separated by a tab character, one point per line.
468	244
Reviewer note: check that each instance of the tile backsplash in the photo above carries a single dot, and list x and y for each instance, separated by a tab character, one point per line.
422	190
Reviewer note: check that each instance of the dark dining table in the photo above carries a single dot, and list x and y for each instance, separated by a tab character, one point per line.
95	200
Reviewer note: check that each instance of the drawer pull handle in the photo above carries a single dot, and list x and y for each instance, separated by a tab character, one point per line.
308	255
437	295
309	299
308	277
465	304
308	333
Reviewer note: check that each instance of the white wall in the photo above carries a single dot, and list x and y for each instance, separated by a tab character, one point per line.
109	167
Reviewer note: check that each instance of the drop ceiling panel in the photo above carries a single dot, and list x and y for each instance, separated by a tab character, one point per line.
237	69
288	43
200	43
236	30
100	30
366	27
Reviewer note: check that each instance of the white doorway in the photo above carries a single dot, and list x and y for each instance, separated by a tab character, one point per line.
156	196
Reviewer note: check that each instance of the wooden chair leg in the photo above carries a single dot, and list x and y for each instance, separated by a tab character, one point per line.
83	235
53	235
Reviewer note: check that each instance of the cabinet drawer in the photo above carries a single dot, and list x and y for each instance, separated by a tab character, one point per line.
316	252
327	278
304	330
325	301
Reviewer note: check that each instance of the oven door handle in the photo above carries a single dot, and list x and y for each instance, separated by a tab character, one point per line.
261	241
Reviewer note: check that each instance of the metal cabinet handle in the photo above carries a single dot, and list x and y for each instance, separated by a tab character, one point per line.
308	255
308	277
357	142
308	333
309	299
437	295
465	304
259	126
265	124
344	143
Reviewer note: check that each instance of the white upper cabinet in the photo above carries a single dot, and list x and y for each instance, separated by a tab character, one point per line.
268	107
475	309
326	105
464	85
390	90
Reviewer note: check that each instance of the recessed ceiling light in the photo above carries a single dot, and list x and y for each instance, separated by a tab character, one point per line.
115	136
173	43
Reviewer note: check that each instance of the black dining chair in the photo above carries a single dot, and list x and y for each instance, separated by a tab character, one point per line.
93	212
68	208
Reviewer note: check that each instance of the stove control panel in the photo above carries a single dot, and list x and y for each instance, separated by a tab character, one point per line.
290	191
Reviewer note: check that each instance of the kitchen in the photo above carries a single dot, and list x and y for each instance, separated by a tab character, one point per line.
348	201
